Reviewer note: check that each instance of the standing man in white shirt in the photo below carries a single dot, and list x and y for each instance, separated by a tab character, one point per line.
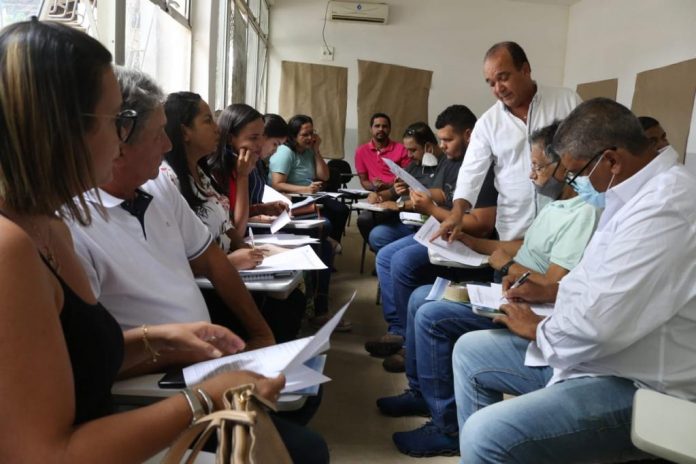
501	137
624	318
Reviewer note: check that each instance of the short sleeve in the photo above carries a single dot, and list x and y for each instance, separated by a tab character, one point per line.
360	166
281	161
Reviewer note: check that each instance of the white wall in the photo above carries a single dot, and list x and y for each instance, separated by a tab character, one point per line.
448	37
620	38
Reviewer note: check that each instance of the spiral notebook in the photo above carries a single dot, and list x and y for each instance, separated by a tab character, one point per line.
264	276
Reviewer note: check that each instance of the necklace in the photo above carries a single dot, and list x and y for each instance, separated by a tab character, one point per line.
45	246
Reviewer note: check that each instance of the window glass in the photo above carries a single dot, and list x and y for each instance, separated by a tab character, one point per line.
14	11
158	45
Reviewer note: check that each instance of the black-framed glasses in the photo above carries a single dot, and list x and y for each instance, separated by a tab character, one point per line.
125	122
571	176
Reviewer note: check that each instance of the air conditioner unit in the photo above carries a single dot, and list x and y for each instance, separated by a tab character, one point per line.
359	12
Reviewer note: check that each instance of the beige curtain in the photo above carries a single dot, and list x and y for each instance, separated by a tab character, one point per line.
667	94
318	91
590	90
398	91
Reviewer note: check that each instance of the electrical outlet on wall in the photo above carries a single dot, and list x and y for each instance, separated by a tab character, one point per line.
327	53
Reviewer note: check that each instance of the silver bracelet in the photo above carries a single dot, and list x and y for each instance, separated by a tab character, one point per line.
206	399
197	410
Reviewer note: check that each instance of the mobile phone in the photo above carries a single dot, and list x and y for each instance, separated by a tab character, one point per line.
172	379
487	312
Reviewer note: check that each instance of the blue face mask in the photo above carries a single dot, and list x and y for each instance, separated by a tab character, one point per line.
585	190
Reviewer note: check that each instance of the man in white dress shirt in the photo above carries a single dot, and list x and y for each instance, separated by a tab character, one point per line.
624	318
501	137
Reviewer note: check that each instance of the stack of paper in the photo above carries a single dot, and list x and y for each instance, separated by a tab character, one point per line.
298	259
283	240
368	206
286	358
455	251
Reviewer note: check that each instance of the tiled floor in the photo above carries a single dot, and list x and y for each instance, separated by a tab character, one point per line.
348	418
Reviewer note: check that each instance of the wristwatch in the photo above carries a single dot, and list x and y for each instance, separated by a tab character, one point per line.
400	203
506	267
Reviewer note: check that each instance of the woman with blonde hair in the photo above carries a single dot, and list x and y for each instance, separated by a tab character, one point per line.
61	124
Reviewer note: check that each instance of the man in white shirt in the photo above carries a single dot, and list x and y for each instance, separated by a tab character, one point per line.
501	138
624	318
145	244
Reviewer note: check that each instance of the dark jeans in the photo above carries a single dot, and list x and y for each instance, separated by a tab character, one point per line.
433	328
337	213
367	220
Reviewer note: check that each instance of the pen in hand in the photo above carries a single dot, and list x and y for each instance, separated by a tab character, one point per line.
251	236
520	280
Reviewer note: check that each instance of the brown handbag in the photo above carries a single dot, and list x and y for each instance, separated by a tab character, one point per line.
246	434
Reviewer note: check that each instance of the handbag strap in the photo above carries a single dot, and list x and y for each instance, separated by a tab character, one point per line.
199	432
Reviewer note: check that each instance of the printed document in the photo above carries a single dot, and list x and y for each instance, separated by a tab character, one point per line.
455	251
401	173
287	358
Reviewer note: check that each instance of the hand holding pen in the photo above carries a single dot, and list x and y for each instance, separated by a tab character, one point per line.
519	281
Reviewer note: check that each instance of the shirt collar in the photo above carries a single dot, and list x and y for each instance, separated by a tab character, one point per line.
107	200
387	147
628	188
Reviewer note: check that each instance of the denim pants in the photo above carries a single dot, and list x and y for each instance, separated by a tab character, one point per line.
384	234
395	310
585	419
432	329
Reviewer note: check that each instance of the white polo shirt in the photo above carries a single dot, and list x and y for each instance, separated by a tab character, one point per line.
503	139
141	274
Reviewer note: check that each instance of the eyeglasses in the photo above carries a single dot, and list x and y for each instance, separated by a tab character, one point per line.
571	176
125	122
537	169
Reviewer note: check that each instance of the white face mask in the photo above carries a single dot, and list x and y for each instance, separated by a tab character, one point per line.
429	159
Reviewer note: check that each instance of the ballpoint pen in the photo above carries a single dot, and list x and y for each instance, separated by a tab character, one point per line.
251	236
520	280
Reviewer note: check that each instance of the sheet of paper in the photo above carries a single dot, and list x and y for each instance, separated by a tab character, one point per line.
307	222
456	251
270	194
438	289
304	202
288	358
368	206
402	174
281	221
492	297
413	219
284	240
354	191
298	259
320	339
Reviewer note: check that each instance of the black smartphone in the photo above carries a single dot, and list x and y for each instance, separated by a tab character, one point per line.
172	379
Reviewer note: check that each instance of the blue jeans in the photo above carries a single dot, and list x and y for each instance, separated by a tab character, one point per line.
432	329
585	419
384	234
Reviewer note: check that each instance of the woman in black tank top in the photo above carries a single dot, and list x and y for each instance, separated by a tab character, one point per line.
60	129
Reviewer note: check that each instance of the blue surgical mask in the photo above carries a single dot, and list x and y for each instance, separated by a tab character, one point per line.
585	190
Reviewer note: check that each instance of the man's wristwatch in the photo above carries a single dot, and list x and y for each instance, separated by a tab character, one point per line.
400	203
506	267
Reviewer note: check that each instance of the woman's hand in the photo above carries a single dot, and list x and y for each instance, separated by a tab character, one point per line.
270	250
245	162
266	387
273	208
245	258
315	143
194	341
314	187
